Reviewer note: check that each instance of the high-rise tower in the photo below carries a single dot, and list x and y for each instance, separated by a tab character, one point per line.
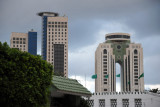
118	49
55	41
24	41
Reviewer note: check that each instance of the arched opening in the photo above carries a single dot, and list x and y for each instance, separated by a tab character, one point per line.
104	51
135	51
118	79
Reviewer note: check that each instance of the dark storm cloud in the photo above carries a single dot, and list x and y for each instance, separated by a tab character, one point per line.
21	14
86	17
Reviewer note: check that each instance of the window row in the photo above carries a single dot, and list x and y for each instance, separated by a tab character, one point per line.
57	36
57	42
113	102
53	46
57	22
19	42
57	29
56	39
57	32
59	26
19	38
18	45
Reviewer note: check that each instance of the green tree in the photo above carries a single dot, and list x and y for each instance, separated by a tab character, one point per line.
83	103
154	90
25	79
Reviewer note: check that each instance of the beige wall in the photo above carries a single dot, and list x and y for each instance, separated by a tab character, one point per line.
101	66
135	62
19	44
57	35
139	63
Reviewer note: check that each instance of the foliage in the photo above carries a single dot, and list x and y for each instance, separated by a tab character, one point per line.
154	90
59	74
83	103
24	78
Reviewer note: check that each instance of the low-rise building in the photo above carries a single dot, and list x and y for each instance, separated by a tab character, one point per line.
67	92
124	99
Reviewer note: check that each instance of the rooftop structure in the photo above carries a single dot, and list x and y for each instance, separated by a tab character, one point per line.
48	14
117	36
67	92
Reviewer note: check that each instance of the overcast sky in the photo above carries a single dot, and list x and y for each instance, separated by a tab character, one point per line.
88	22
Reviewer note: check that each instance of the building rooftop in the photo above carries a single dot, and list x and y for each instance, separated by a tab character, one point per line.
47	14
69	86
117	36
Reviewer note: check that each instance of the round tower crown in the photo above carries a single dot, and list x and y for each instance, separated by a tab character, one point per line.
47	14
117	36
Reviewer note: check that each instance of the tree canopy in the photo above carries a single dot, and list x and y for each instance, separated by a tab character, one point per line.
24	78
154	90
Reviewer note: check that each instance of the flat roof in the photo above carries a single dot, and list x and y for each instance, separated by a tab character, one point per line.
109	34
49	13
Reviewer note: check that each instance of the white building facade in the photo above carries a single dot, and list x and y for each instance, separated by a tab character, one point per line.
124	99
118	49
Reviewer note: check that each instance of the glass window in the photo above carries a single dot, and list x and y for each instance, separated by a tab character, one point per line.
135	73
105	89
104	62
135	51
105	82
104	56
135	56
104	51
138	102
135	66
104	72
113	102
125	102
105	79
101	102
104	59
